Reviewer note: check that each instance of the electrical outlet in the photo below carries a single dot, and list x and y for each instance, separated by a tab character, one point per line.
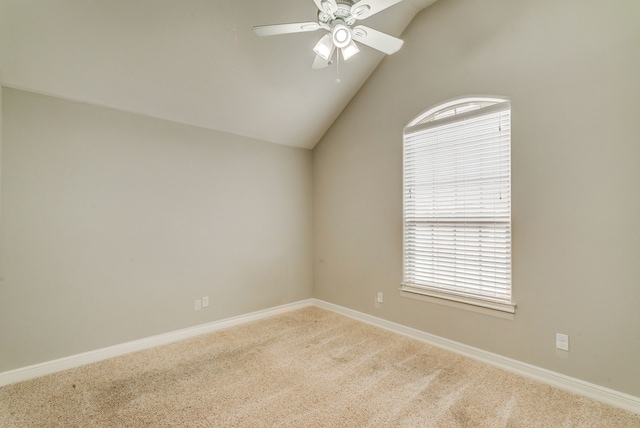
562	341
380	297
197	304
205	301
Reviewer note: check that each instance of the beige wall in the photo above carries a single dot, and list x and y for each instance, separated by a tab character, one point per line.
572	71
113	223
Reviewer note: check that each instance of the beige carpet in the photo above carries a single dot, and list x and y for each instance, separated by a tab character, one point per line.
308	368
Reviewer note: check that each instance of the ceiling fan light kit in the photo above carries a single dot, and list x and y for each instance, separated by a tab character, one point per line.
337	18
341	35
324	48
350	50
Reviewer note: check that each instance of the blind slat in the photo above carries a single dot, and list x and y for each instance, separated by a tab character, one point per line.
457	203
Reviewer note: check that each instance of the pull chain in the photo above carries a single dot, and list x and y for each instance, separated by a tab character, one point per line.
337	67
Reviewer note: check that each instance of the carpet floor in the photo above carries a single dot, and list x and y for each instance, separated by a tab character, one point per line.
306	368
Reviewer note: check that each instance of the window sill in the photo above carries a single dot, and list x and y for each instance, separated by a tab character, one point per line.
488	308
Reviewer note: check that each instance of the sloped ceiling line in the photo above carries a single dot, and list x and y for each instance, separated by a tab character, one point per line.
195	62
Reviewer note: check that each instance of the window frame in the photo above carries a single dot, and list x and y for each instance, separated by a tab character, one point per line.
455	111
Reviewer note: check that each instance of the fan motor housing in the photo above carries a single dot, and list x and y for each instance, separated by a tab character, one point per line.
343	13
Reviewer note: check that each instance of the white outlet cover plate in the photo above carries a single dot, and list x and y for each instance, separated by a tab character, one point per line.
562	341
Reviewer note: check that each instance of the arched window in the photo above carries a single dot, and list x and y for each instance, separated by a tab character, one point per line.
457	203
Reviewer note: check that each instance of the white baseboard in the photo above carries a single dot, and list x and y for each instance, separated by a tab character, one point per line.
49	367
600	393
606	395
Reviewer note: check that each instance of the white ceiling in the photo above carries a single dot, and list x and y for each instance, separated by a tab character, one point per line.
195	62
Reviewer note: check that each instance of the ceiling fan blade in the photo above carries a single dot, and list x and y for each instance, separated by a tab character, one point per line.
273	30
365	8
376	39
320	62
328	6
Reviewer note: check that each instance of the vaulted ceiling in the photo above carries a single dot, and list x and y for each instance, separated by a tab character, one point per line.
195	62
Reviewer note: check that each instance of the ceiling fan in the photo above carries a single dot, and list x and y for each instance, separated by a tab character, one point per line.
338	18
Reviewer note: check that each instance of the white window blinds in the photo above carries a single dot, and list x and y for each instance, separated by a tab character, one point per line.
457	204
